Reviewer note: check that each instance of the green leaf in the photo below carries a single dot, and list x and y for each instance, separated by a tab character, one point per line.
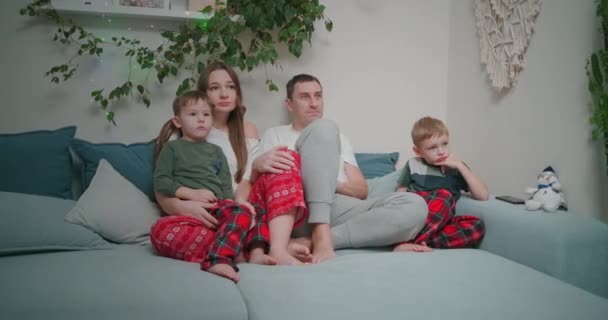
273	87
329	25
140	88
146	101
595	70
110	116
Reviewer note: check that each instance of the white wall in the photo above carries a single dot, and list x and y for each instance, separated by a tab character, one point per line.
383	66
386	64
543	121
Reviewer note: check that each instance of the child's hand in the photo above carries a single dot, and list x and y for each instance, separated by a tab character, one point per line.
203	195
449	162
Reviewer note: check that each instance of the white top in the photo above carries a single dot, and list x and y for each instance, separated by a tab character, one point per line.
287	135
220	138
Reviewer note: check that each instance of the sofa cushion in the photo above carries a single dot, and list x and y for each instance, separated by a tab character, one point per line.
134	161
37	162
443	284
33	223
128	282
566	245
376	164
380	186
113	207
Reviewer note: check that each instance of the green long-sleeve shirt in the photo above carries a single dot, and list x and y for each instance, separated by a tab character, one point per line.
196	165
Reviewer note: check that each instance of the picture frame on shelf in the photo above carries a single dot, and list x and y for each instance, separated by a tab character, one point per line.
149	4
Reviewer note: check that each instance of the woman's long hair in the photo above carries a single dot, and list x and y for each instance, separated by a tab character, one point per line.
236	122
168	129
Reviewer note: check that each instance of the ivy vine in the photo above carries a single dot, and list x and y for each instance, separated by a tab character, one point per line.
193	45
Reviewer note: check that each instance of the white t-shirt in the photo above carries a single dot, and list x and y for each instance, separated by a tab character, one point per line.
287	135
220	138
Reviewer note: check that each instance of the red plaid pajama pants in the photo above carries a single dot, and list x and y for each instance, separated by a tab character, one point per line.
186	238
442	228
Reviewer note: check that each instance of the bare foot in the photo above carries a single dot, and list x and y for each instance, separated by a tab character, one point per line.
240	258
259	257
224	270
322	254
406	247
284	258
299	251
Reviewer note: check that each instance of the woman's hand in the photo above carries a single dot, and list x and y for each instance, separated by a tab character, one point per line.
190	208
275	160
203	195
198	210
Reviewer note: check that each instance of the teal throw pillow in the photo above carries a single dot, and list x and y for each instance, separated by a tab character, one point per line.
37	162
135	161
376	164
33	223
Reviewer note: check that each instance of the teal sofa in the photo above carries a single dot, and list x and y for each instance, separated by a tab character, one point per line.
530	265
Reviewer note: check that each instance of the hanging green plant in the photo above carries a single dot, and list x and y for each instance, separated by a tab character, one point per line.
193	45
597	73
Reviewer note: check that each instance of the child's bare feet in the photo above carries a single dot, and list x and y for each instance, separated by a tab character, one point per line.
224	270
406	247
299	251
259	257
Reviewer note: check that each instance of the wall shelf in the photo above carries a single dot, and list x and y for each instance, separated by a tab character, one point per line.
107	7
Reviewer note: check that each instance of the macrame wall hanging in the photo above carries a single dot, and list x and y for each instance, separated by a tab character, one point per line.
505	28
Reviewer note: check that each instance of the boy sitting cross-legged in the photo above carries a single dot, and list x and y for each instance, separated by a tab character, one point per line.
439	177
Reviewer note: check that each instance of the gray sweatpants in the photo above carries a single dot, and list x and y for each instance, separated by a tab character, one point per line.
355	223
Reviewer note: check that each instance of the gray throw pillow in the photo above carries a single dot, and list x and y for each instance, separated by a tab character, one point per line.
384	185
116	209
34	223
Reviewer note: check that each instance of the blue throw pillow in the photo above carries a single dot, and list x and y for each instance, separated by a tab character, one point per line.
135	162
37	162
376	164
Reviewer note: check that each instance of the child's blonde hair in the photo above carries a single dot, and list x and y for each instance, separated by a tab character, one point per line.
169	128
427	128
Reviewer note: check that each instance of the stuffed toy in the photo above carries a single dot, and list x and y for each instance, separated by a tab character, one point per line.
547	194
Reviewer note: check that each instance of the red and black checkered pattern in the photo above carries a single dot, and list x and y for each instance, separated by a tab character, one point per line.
186	238
444	230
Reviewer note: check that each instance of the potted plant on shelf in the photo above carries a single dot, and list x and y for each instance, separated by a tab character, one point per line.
185	52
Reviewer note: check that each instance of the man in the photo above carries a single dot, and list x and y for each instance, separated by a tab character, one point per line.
340	216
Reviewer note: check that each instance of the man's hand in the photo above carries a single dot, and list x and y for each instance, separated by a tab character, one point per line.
275	160
197	210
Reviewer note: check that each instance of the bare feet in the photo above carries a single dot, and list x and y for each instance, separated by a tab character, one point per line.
283	257
240	258
259	257
224	270
322	254
299	250
406	246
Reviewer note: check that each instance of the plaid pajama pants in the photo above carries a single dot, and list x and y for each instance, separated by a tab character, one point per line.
442	228
186	238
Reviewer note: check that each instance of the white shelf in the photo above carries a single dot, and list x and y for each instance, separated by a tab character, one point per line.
106	7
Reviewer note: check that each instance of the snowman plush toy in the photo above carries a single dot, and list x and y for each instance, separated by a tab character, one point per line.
547	194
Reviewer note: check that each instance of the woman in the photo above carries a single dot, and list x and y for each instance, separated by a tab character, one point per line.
238	139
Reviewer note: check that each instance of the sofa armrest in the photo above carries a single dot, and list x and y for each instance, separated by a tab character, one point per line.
565	245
